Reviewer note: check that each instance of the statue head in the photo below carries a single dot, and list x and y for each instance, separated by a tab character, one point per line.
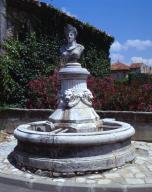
70	33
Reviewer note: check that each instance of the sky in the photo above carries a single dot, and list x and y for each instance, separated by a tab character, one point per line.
128	21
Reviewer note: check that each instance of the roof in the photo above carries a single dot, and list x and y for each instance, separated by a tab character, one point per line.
119	67
135	65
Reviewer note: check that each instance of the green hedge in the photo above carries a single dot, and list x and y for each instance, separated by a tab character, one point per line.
49	21
24	61
29	55
33	58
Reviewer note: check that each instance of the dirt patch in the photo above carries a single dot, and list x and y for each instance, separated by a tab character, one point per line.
3	136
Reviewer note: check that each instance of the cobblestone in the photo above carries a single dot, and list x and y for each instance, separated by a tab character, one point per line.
134	181
140	175
148	180
138	172
104	181
80	180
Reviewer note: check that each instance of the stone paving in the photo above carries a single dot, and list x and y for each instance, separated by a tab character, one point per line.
138	172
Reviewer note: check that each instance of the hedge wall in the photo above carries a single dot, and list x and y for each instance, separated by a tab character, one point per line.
30	56
28	15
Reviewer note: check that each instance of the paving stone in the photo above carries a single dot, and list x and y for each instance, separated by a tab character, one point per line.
81	179
95	177
112	175
90	181
134	181
115	169
59	180
104	181
139	172
148	180
29	176
149	167
140	175
130	175
55	174
139	161
134	169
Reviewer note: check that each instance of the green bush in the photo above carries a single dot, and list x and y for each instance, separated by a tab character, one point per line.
23	62
49	21
95	61
35	57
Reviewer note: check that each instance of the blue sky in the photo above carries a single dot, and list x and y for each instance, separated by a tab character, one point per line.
129	21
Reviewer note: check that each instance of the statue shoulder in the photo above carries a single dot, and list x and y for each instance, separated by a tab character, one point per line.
81	47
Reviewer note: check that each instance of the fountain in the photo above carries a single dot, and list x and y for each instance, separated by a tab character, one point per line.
74	138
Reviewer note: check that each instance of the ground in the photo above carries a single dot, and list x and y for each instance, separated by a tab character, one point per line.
138	172
3	136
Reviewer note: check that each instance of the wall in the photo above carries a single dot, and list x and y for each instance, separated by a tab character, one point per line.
3	21
142	121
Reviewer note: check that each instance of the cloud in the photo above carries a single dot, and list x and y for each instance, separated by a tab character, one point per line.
116	56
116	46
64	10
134	43
141	60
138	44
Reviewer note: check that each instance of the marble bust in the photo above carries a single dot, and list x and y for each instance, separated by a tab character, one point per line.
71	51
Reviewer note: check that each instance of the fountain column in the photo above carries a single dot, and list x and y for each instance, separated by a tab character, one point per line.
75	110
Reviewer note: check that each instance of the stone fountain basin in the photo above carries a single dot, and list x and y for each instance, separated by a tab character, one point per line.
113	131
61	151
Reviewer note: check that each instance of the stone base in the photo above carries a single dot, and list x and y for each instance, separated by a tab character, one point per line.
77	164
58	151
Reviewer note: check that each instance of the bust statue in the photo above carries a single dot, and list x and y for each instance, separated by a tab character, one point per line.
71	51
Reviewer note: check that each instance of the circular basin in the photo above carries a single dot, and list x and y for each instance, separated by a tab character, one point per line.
58	150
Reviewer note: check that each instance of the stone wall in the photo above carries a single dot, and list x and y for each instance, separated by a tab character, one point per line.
3	20
142	121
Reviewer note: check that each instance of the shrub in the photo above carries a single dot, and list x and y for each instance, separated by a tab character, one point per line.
108	94
23	62
35	57
43	92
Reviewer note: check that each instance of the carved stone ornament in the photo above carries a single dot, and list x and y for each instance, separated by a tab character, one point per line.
71	98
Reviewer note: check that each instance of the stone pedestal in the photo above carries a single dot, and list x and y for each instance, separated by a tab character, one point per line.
75	111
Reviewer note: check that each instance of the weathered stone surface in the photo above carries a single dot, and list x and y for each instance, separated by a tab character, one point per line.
98	178
134	181
104	181
143	131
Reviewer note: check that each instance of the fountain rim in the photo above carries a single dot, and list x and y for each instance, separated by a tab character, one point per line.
22	133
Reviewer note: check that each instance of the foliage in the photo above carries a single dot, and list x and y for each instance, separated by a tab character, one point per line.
23	62
43	92
108	94
140	77
95	61
36	57
49	21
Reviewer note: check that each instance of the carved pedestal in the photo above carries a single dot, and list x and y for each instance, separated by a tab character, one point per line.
75	111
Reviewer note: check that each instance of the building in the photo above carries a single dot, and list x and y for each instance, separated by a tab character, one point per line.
119	70
140	68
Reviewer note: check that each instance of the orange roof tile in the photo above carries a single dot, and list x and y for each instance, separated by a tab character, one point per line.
135	65
119	67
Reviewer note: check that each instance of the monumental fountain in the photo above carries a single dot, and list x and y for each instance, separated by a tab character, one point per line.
74	138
